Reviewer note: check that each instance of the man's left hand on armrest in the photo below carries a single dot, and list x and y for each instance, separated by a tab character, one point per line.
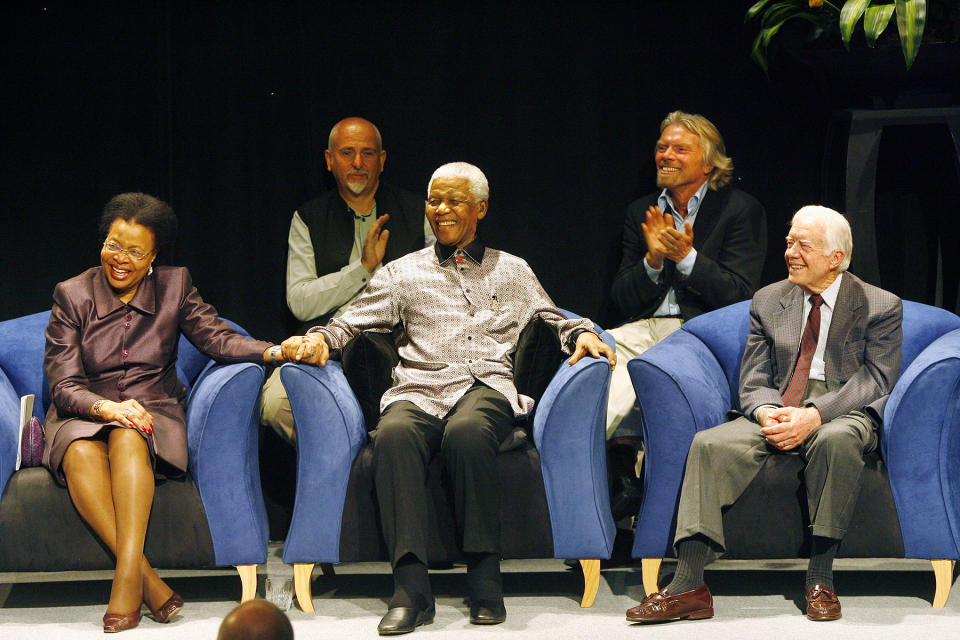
590	343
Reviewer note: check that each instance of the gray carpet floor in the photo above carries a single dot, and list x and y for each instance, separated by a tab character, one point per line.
881	599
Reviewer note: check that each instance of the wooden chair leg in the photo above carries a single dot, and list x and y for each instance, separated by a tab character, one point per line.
302	573
591	581
327	569
650	569
248	581
943	572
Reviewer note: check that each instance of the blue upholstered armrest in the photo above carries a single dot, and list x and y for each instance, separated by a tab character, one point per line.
681	390
222	440
330	433
921	447
568	430
9	426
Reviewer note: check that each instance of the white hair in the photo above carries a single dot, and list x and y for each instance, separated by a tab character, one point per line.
837	235
479	188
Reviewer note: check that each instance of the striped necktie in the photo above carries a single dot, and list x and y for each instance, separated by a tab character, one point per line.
808	345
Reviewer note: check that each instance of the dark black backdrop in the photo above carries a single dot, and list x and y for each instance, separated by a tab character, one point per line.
223	110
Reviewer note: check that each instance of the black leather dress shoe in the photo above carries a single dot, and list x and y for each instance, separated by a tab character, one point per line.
487	612
405	619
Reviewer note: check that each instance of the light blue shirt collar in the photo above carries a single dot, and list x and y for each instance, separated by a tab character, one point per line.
666	205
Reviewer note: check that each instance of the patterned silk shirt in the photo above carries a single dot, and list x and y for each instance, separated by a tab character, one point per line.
460	314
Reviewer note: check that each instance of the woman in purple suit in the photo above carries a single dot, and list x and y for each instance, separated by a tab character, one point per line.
117	418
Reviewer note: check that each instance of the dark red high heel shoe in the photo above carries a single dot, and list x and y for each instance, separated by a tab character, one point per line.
114	622
168	609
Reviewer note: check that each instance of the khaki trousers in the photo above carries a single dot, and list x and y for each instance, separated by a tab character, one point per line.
275	411
632	339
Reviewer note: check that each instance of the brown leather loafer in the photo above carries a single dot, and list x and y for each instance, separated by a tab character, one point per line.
822	604
662	606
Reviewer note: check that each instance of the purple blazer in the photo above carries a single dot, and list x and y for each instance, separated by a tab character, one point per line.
98	347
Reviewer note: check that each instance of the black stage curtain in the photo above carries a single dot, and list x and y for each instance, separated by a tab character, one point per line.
223	109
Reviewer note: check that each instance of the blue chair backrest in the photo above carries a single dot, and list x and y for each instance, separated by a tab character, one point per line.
922	324
725	330
21	357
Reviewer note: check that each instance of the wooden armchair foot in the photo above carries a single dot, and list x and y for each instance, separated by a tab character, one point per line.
302	573
248	581
943	572
650	569
591	581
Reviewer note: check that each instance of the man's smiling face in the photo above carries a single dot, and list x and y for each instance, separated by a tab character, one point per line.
453	212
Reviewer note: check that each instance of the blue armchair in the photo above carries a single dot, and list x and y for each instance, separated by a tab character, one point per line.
215	516
910	503
555	501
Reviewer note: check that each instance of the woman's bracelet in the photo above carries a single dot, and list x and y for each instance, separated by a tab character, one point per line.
274	352
96	408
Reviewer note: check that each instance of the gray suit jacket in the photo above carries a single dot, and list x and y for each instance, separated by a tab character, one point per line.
862	357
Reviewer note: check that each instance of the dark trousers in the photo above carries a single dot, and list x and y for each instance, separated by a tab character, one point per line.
467	439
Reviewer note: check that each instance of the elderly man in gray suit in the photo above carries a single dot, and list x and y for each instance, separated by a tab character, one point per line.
822	356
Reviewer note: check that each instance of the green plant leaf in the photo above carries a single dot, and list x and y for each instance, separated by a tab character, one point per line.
757	52
778	13
754	10
762	41
849	16
911	19
875	20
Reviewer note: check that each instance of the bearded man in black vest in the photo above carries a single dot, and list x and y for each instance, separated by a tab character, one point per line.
337	242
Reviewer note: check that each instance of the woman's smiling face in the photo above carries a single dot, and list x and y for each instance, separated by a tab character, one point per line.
126	256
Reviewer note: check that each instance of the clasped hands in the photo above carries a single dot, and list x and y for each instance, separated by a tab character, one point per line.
312	349
787	427
663	239
308	349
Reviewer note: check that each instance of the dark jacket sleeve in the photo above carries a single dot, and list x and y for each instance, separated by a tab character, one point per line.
634	293
730	271
730	236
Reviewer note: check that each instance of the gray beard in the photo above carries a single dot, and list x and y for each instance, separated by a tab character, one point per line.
357	187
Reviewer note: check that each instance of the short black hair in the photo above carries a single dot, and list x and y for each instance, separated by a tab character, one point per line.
151	212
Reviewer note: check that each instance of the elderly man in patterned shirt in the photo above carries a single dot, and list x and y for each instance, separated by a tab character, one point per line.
461	307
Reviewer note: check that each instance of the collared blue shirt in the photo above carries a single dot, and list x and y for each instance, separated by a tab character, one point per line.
669	306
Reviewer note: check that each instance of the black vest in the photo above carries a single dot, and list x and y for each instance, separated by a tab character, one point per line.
330	222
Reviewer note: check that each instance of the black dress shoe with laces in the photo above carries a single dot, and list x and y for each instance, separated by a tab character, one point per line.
405	619
487	612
